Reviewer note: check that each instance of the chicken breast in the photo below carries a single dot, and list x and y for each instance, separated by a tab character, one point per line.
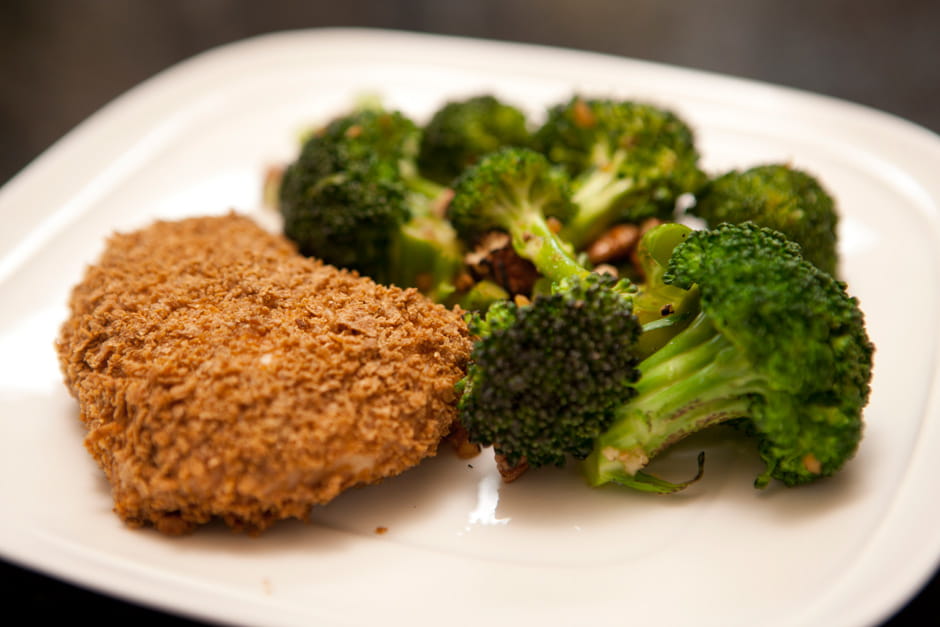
222	375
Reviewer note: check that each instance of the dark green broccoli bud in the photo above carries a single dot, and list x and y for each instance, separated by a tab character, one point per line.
779	197
777	343
629	161
349	218
375	131
374	135
462	131
546	377
515	190
354	199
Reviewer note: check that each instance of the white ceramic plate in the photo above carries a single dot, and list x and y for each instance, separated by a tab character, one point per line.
461	548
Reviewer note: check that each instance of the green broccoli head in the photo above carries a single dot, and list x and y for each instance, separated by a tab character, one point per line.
777	342
353	199
799	330
545	378
348	218
372	133
504	187
629	161
515	190
462	131
780	197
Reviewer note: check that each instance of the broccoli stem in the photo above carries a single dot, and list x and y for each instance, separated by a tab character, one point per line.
534	240
696	380
661	308
599	192
424	195
424	187
425	254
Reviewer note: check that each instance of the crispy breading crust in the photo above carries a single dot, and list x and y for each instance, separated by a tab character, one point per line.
220	374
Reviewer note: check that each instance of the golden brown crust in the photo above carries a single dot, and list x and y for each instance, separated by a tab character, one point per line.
219	374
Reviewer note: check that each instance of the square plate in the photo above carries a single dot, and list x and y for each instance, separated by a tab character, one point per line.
460	546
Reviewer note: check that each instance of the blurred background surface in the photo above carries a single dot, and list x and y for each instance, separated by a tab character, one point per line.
61	60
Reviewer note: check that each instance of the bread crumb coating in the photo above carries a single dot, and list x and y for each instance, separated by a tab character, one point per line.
220	374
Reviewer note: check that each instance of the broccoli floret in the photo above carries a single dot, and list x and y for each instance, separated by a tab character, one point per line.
354	198
347	218
462	131
780	197
776	343
629	161
546	377
515	190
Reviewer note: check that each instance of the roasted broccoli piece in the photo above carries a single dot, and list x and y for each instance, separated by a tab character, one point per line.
354	198
629	161
546	377
462	131
777	345
515	190
780	197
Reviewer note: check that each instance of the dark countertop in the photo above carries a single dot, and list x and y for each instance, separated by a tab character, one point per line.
61	60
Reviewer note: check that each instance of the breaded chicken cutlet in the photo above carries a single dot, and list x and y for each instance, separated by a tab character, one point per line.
222	375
